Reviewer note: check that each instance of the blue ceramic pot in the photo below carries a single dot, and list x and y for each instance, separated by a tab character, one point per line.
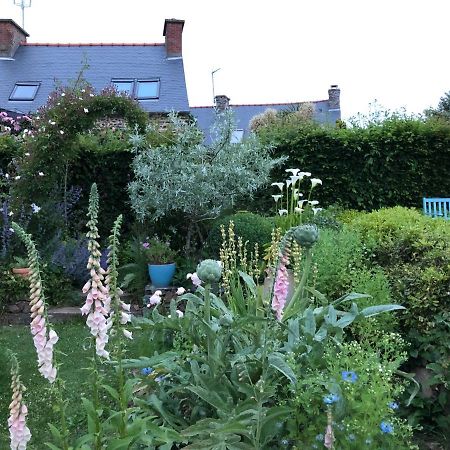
161	274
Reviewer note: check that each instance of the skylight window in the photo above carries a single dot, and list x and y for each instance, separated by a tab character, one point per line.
147	89
24	91
124	86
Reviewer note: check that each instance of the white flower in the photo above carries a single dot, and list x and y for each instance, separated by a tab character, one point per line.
35	208
63	95
17	178
85	110
277	197
316	210
61	131
155	299
194	278
41	174
181	291
179	313
300	203
294	179
314	202
128	334
11	230
280	186
304	174
298	210
283	212
91	95
27	154
158	292
10	213
296	194
288	183
293	171
51	122
6	175
315	182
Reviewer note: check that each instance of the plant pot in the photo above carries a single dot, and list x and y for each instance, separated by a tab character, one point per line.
21	271
161	275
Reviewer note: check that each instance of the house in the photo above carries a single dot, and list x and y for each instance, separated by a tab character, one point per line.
151	73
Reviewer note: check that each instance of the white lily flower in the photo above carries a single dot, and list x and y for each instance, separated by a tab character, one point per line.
300	203
17	178
316	210
277	197
315	182
295	193
314	202
298	210
41	174
288	183
283	212
180	314
85	109
27	154
294	179
293	171
304	174
280	186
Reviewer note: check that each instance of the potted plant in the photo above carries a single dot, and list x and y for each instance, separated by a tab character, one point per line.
20	267
161	262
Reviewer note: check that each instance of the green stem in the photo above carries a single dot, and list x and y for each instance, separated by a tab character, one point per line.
95	394
208	321
62	411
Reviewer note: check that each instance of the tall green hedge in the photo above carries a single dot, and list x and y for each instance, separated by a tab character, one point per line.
396	162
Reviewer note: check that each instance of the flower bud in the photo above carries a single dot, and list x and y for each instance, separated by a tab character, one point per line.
209	271
305	235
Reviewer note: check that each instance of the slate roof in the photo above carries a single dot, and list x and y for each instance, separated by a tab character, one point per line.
243	113
61	63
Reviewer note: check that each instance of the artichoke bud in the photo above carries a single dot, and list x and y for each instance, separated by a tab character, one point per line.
209	271
305	235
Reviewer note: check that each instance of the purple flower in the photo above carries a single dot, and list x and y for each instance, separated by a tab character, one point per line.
146	245
386	427
349	376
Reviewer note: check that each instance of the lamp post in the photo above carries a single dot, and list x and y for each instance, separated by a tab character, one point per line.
23	4
212	79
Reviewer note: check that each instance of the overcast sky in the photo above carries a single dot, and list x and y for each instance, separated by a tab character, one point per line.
394	51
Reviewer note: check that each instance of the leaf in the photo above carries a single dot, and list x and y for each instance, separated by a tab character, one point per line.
112	392
410	377
53	447
350	297
309	326
120	444
249	282
378	309
276	360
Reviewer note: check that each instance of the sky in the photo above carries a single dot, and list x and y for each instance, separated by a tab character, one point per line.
392	52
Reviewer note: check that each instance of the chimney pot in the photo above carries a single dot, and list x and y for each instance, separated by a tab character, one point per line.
222	102
173	31
11	37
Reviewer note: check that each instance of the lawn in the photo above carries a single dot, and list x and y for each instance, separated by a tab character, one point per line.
72	353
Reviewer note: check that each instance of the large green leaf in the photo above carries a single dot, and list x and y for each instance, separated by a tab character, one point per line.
371	311
276	360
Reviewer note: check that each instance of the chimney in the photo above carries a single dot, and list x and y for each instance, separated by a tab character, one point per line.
222	102
11	36
173	30
334	97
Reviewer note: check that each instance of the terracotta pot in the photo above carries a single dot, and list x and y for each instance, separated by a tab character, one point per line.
21	271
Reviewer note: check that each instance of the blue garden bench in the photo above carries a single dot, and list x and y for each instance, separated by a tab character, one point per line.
437	207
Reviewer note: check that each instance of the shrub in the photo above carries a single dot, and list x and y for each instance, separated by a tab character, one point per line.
250	227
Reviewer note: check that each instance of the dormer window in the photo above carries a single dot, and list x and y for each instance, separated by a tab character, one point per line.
141	89
125	86
25	92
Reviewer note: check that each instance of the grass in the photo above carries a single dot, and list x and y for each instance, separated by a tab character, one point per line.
73	355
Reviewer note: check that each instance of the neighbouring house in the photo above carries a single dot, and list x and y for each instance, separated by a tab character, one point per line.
152	73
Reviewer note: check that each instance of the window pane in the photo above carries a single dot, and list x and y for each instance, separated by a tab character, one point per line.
24	92
147	89
124	86
237	136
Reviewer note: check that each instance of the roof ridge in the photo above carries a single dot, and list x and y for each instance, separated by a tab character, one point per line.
93	44
267	104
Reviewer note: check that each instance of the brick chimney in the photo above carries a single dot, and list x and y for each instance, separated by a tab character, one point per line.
173	30
11	36
222	102
334	97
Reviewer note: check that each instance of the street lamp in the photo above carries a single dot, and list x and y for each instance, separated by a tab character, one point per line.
212	79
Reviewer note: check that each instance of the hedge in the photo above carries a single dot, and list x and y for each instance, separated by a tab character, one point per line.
396	162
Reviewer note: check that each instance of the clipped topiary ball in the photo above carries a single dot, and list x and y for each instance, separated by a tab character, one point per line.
250	227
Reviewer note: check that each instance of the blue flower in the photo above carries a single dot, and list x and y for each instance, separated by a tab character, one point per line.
386	427
320	437
349	376
146	371
368	441
330	399
351	437
159	379
284	442
393	405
